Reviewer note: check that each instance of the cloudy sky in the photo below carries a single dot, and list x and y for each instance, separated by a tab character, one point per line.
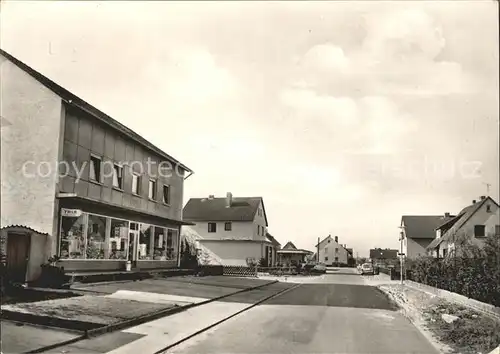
342	115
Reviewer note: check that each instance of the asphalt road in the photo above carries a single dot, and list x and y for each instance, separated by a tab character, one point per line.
341	314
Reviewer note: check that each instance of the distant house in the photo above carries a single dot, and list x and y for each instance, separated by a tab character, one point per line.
235	229
384	256
331	252
418	232
291	255
473	224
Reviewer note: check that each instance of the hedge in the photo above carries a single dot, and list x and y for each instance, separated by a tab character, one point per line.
471	271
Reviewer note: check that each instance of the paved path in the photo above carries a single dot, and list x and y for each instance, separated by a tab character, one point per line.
342	314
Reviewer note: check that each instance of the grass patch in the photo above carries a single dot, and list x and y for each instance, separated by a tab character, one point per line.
471	333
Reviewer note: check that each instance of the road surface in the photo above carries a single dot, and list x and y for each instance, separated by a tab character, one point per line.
341	314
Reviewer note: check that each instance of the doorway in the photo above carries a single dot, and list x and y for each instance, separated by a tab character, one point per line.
18	248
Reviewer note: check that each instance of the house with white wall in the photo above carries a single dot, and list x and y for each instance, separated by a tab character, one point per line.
78	184
418	231
331	252
473	225
235	229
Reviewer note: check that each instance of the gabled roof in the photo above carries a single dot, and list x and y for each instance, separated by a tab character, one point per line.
74	101
273	240
422	226
23	228
214	209
462	217
289	246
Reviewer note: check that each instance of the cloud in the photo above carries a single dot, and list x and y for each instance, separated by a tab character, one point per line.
400	55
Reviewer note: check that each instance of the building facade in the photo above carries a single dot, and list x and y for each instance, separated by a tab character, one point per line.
98	193
332	253
235	229
473	225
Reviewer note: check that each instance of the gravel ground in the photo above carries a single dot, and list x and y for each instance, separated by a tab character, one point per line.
95	309
471	333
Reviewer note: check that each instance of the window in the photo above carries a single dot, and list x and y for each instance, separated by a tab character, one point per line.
72	237
228	226
212	227
146	242
171	243
96	237
118	177
152	189
329	241
488	208
95	168
136	182
166	194
336	259
497	230
445	252
160	247
118	240
326	259
326	249
336	250
258	229
479	231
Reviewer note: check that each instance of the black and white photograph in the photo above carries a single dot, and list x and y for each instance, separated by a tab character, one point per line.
250	177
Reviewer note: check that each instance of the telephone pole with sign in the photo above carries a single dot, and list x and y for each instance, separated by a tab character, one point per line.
401	254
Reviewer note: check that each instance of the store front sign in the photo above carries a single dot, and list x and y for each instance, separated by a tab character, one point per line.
72	213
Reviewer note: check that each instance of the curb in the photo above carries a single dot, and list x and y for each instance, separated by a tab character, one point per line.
279	293
142	319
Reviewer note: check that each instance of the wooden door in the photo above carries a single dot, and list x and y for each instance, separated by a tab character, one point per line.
18	246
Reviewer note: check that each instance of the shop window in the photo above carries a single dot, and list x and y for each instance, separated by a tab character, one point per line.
96	237
160	249
146	244
172	242
72	237
118	240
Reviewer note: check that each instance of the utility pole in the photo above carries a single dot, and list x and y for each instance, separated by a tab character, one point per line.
401	255
317	257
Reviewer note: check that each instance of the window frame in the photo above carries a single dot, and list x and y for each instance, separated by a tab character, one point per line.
138	192
479	227
154	189
214	224
119	176
226	224
166	202
98	175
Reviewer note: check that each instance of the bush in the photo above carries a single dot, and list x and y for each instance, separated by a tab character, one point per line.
471	271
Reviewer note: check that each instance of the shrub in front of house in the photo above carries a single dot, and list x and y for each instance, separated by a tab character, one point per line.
470	271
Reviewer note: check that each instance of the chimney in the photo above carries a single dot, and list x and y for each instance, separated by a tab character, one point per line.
473	201
336	239
229	199
483	197
446	215
211	196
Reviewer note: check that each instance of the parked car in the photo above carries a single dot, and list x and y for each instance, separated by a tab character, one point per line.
367	269
319	268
